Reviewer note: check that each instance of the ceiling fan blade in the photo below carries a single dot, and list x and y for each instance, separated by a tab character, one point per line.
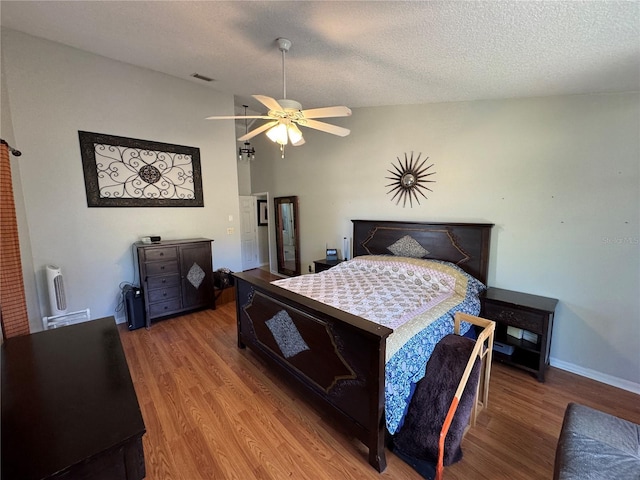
270	103
325	112
258	130
235	117
325	127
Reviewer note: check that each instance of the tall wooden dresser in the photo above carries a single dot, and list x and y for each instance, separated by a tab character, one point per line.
176	276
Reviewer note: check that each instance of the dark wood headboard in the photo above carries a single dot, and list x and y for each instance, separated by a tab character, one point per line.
464	244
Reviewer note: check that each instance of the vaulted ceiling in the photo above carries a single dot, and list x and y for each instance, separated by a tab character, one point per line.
361	53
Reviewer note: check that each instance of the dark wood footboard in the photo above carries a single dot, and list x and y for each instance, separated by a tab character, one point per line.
333	356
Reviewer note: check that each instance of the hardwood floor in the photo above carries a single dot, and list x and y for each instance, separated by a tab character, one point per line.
213	411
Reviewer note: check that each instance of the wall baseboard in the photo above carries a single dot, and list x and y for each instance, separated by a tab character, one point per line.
594	375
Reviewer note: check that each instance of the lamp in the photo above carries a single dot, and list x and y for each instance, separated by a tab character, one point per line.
295	135
284	133
247	153
278	134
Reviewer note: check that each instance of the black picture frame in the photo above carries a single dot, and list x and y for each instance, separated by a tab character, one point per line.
128	172
263	213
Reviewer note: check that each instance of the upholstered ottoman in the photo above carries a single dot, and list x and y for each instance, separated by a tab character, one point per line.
595	445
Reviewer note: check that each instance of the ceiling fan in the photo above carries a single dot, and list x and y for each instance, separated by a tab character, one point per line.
285	115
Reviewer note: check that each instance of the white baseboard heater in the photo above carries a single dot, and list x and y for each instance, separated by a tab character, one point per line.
66	319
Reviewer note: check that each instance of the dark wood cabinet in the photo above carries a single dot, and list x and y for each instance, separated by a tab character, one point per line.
324	264
175	276
69	408
528	314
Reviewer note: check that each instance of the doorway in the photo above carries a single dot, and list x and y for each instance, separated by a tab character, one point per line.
254	233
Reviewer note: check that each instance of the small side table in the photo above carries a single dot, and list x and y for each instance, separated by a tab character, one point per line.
526	312
324	264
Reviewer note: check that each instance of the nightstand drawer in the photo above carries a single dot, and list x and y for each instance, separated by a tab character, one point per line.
161	268
533	322
163	294
160	253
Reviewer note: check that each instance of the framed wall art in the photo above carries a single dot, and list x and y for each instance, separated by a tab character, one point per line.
263	218
127	172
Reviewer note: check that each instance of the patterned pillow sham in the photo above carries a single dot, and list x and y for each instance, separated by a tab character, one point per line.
474	285
407	246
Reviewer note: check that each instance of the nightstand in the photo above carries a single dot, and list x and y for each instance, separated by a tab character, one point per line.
324	264
521	313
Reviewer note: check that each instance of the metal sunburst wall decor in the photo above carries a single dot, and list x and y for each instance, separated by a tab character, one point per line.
409	179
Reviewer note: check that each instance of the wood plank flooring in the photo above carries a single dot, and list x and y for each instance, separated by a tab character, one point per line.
214	411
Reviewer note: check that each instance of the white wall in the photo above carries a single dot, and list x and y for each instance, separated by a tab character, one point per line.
53	92
559	178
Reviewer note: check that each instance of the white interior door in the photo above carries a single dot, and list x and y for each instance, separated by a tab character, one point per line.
248	232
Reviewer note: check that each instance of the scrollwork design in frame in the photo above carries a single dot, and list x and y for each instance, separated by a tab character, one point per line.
126	172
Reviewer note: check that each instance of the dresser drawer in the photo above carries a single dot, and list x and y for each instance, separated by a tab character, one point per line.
163	281
533	322
164	294
160	253
162	268
164	308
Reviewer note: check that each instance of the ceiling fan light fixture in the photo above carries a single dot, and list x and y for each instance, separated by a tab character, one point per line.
278	134
284	116
295	135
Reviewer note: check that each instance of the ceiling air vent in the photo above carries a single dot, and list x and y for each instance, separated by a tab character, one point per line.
201	77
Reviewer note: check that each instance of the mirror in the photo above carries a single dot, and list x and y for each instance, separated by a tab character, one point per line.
287	239
408	180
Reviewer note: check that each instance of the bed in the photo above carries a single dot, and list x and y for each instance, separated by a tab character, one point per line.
338	359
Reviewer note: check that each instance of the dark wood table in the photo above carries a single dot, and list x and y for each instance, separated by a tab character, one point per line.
324	264
523	311
69	409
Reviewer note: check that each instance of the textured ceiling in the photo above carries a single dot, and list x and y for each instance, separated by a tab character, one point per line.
359	53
